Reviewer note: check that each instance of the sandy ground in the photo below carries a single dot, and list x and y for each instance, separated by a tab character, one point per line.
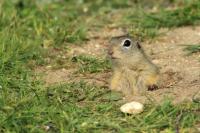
183	72
180	73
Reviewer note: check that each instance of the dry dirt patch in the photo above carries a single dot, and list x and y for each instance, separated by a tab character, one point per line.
183	82
180	73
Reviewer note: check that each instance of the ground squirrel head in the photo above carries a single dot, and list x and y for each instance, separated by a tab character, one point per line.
123	48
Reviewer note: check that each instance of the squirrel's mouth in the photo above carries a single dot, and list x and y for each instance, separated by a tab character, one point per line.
112	57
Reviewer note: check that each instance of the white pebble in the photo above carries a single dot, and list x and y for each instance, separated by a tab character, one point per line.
155	61
132	108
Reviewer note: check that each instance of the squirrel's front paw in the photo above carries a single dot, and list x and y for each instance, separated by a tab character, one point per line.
152	87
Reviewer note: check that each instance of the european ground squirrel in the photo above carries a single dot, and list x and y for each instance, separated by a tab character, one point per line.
133	72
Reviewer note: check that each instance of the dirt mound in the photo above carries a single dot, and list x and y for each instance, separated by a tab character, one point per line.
183	72
180	73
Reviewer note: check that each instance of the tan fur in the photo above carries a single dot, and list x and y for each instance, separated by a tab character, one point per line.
133	72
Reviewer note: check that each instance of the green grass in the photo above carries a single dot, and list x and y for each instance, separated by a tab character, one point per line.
188	15
31	32
192	48
78	107
91	64
146	25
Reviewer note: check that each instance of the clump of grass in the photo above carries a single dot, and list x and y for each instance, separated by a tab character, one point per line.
192	48
89	64
76	92
79	107
141	33
23	28
188	15
146	24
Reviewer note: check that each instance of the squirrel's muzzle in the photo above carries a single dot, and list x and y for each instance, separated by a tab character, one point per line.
110	52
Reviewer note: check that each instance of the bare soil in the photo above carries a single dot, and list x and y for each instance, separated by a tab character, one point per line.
180	74
183	72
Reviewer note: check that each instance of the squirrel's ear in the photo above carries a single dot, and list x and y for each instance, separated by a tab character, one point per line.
138	45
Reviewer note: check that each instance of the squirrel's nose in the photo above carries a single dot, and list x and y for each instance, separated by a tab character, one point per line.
110	52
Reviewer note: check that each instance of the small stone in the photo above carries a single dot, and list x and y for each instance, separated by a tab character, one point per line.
84	124
97	46
49	66
155	61
132	108
64	57
46	128
63	69
85	9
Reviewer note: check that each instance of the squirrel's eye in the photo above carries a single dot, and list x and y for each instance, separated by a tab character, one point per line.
127	43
